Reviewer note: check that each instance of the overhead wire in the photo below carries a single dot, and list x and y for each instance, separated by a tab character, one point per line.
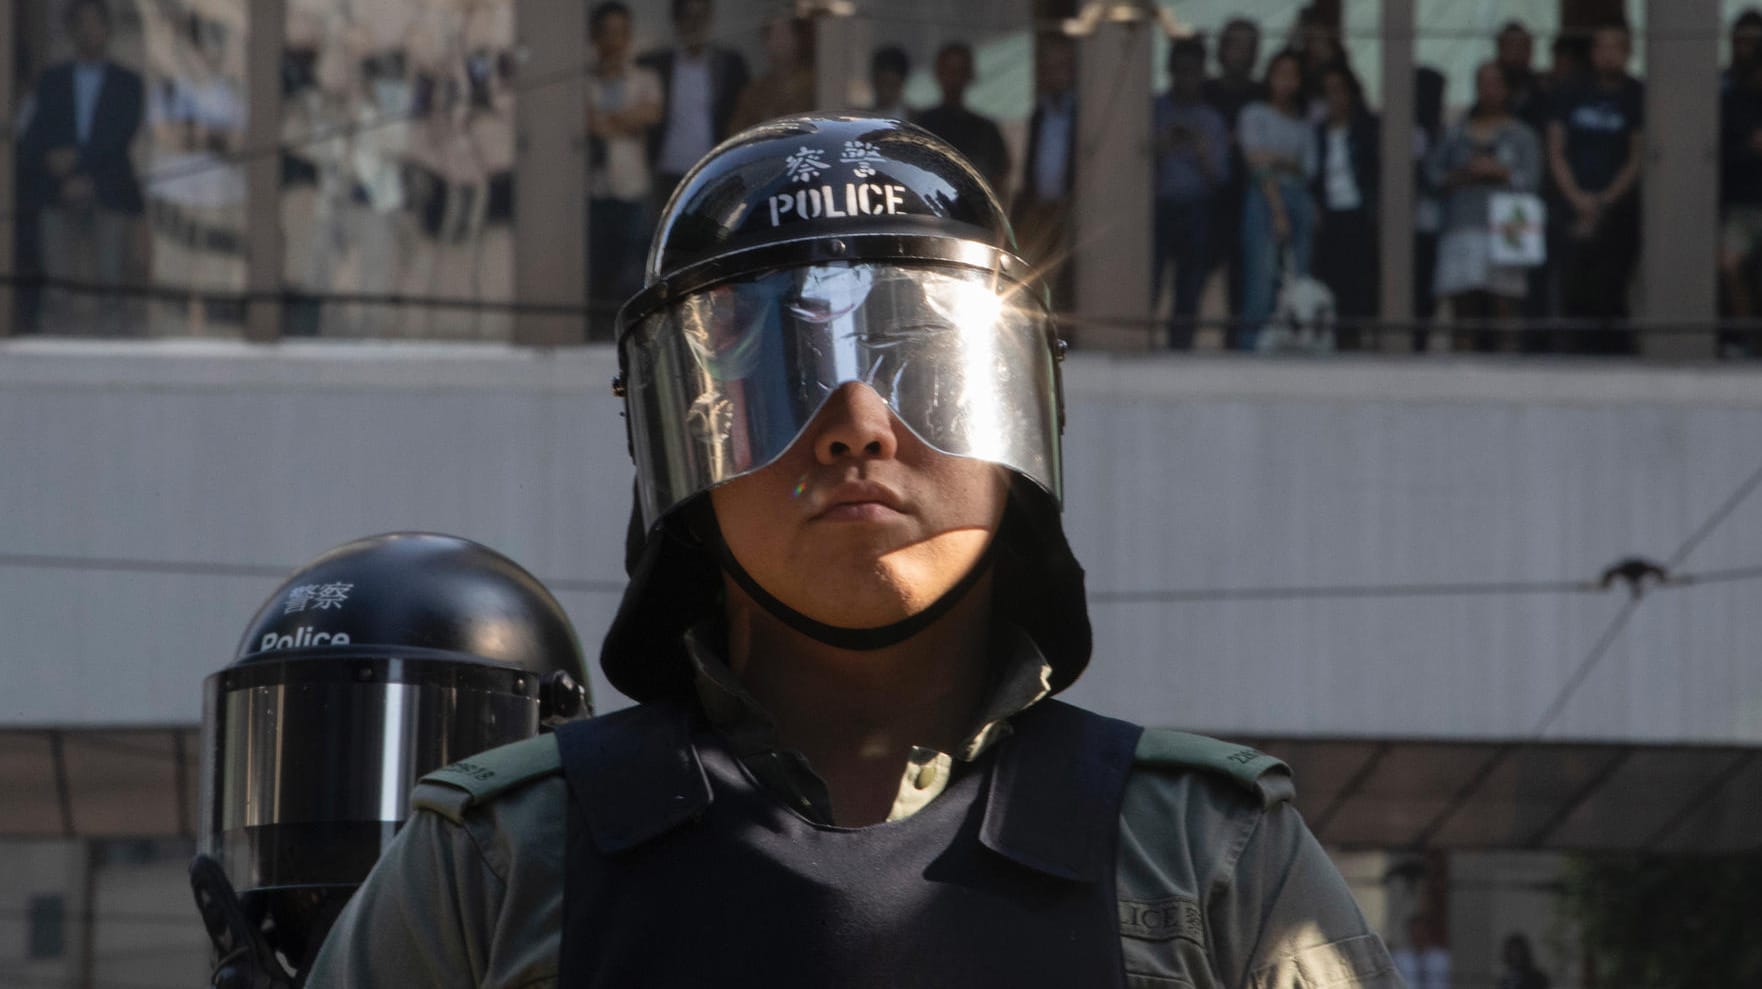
1300	592
1718	518
1619	621
1195	595
1598	650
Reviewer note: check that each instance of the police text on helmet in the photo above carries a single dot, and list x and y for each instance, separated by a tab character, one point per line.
302	637
856	199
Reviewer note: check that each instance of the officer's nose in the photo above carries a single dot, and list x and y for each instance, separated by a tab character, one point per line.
854	422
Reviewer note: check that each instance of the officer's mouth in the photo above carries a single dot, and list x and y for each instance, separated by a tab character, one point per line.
860	501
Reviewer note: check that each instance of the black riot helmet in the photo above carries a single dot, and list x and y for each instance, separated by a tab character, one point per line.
803	254
380	661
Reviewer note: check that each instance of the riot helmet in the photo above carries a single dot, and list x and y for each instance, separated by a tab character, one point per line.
799	256
382	660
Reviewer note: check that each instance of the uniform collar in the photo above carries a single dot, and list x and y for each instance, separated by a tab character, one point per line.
1051	805
1021	678
1051	802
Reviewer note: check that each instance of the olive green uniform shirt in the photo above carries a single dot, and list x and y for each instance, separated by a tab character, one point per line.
1220	884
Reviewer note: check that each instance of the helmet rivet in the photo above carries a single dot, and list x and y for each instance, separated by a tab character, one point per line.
836	247
1060	348
618	385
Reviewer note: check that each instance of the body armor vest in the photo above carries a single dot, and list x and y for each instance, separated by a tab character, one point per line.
684	871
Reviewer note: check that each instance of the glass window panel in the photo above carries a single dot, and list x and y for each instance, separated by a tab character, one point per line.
48	927
131	192
397	177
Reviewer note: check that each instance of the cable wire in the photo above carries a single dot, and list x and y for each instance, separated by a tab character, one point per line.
199	568
1718	517
1315	592
1586	665
1344	591
1619	622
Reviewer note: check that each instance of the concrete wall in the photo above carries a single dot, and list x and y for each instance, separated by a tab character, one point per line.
151	494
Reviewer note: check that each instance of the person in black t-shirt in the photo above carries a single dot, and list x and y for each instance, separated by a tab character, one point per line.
1740	197
1594	147
1746	48
1516	47
973	135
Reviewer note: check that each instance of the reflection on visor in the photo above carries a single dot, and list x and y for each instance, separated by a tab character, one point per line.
722	382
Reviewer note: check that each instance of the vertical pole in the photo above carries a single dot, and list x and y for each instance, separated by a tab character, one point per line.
550	170
91	857
840	52
266	36
1111	206
1679	187
1395	207
8	179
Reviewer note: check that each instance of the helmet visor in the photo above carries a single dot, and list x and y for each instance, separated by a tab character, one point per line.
723	381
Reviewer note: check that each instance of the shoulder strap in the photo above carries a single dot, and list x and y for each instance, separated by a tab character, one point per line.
1253	770
1054	796
633	774
453	789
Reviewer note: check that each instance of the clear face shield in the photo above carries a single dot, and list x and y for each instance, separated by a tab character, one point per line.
722	381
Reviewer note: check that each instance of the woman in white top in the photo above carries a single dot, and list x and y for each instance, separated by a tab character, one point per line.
1278	216
623	103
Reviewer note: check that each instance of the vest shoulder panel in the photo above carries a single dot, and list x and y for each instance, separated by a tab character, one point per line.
1253	770
452	790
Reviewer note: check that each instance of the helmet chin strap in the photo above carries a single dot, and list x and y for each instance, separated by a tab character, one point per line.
860	639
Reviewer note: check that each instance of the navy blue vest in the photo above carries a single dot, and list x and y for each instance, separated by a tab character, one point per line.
684	871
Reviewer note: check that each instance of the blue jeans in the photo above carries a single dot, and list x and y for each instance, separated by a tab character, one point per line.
1183	235
1261	250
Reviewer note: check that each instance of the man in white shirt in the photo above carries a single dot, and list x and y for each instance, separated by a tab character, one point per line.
623	105
700	84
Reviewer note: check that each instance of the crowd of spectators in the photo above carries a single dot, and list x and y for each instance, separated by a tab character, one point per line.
1266	177
1267	174
1558	153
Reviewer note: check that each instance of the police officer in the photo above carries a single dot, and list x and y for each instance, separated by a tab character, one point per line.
850	604
374	664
